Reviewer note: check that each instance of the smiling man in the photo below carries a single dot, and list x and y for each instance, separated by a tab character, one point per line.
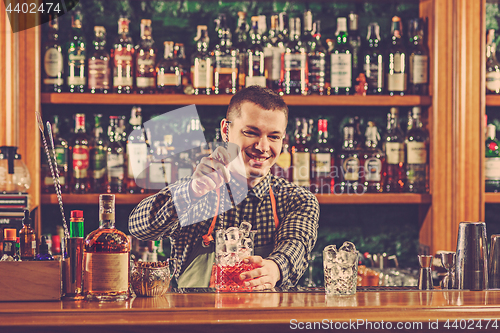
284	216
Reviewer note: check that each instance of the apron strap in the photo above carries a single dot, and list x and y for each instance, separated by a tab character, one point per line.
273	205
208	237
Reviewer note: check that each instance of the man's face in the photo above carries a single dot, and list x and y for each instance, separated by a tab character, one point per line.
259	134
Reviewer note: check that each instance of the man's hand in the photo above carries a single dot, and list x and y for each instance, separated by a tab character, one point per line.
211	173
263	277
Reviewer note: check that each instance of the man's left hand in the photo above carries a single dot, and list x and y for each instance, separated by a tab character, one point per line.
263	277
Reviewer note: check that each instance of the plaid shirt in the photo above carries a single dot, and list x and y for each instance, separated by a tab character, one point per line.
170	213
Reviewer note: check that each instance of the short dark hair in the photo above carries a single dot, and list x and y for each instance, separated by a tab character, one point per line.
263	97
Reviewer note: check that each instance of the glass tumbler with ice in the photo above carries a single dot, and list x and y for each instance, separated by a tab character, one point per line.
232	245
341	269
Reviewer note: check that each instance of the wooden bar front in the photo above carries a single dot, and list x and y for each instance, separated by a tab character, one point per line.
262	312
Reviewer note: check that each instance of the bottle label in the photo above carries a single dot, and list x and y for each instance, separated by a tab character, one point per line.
76	67
80	161
256	64
145	82
284	160
202	72
492	168
98	163
61	156
395	152
49	181
106	272
301	168
493	81
226	64
137	158
98	74
417	152
272	62
419	64
396	82
170	79
53	62
255	81
77	56
323	163
33	244
374	75
373	170
122	72
160	172
296	61
341	70
317	65
76	80
351	169
146	62
115	166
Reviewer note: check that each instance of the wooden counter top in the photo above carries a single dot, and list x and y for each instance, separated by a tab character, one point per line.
259	312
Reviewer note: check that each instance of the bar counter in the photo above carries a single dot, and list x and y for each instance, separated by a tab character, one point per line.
262	312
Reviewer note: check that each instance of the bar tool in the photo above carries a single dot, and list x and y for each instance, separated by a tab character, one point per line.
494	264
448	260
425	275
472	256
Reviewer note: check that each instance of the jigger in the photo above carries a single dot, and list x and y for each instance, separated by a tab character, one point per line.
425	276
448	261
472	256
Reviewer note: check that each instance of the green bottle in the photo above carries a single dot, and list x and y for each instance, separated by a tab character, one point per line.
492	161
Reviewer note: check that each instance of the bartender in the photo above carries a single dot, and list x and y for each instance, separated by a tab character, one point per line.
284	216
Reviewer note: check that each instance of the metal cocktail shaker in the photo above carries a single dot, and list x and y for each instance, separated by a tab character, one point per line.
494	263
472	256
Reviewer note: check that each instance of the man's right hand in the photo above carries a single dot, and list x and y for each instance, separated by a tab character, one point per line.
211	173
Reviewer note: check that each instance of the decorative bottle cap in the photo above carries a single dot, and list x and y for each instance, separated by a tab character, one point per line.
76	214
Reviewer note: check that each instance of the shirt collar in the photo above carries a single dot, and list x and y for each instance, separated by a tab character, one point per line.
262	187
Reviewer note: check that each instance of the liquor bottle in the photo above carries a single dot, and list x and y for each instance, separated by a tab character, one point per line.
202	71
162	167
341	61
418	60
242	43
416	142
145	60
43	250
9	242
316	58
225	60
492	161
322	161
492	65
373	161
27	238
76	224
137	154
393	147
301	155
373	61
294	72
79	152
98	152
106	257
180	57
62	155
262	28
123	59
168	72
53	63
255	57
349	162
396	69
76	79
274	48
283	166
115	159
99	71
354	40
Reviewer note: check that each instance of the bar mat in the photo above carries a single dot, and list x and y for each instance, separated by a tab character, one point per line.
300	289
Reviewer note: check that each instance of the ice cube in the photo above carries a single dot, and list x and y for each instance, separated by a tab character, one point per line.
346	259
220	241
330	253
245	228
232	234
248	243
348	247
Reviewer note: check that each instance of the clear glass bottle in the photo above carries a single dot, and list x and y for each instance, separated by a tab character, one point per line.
397	61
417	145
53	63
349	162
492	65
137	154
145	60
76	78
106	257
322	161
80	156
354	40
301	154
202	71
373	161
283	166
294	71
274	48
98	151
242	44
492	161
255	57
316	58
394	149
418	60
225	60
341	61
44	251
373	61
99	64
115	159
27	238
169	72
62	156
123	59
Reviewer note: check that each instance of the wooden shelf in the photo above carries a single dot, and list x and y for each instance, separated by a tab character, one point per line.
328	199
492	197
492	100
178	99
